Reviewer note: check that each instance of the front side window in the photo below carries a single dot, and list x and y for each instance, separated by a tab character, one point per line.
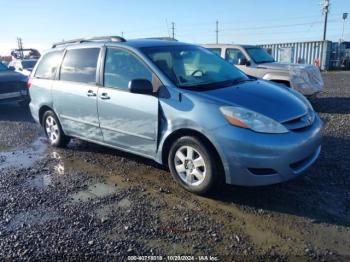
48	65
193	67
259	55
234	55
79	65
121	67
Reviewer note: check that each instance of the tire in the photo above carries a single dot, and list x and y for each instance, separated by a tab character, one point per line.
194	166
53	130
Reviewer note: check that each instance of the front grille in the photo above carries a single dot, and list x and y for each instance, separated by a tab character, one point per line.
11	86
300	122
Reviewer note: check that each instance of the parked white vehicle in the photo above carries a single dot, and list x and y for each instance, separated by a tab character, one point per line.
255	61
24	66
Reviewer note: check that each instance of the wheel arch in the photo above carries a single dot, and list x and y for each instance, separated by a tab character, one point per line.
171	138
42	111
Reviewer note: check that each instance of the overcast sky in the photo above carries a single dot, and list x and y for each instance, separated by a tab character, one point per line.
42	22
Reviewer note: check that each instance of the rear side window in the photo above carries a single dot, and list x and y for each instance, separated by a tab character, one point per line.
79	65
48	65
121	67
233	55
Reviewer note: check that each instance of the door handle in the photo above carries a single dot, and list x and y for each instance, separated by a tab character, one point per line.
91	93
104	96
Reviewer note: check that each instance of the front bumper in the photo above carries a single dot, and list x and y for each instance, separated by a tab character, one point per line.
255	159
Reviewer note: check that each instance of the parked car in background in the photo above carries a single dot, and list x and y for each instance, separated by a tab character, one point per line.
13	86
25	53
24	66
178	104
255	61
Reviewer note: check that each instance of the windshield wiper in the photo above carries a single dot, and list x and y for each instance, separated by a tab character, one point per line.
215	85
241	80
266	61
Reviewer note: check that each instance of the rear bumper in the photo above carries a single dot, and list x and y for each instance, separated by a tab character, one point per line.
255	159
35	112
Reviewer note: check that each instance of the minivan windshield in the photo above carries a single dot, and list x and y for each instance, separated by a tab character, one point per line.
259	55
194	67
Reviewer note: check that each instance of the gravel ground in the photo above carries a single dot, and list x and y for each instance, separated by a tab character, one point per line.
93	203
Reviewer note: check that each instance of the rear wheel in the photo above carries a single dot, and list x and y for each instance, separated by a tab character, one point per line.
193	165
53	130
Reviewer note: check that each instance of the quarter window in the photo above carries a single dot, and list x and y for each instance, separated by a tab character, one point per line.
79	65
121	67
233	55
48	65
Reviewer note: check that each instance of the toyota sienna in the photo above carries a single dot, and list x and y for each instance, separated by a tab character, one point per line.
178	104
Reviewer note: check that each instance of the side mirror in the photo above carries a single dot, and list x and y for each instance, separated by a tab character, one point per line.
243	61
12	68
141	86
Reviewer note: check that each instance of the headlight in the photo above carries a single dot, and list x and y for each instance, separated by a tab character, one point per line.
245	118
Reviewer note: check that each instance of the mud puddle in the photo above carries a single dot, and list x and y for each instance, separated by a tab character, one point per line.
23	158
98	190
30	218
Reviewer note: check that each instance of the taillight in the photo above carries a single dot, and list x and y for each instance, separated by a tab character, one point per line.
29	83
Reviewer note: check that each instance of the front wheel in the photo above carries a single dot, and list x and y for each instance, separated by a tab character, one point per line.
53	130
193	165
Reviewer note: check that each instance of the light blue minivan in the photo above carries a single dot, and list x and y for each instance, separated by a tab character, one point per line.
178	104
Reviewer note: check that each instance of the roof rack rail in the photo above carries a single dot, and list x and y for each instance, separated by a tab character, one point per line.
166	38
91	39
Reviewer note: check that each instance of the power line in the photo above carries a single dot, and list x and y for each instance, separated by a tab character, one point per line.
267	27
192	25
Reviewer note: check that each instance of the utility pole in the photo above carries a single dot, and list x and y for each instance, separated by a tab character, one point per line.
20	46
217	31
325	10
173	29
345	15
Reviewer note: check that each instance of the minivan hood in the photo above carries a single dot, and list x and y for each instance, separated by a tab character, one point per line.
281	66
263	97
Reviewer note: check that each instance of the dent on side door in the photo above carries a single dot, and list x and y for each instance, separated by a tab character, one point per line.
76	105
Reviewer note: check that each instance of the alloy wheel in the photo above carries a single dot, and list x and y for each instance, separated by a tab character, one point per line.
190	165
52	129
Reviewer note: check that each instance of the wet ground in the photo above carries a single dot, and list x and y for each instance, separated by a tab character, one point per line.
95	203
